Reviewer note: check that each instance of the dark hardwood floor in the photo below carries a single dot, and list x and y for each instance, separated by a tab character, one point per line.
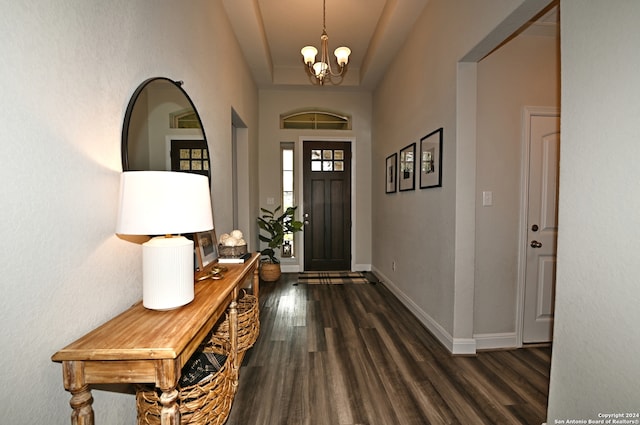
353	354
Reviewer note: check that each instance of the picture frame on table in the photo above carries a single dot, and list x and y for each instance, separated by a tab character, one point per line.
206	247
431	159
407	168
391	173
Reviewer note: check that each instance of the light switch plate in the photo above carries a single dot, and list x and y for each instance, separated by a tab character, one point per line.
487	198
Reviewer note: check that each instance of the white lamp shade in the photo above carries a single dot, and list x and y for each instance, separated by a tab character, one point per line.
163	202
342	55
309	53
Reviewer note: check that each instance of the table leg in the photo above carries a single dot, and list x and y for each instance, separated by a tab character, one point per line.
170	413
81	398
81	403
256	282
233	334
168	374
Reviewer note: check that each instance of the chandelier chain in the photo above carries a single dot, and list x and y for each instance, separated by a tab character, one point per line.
324	15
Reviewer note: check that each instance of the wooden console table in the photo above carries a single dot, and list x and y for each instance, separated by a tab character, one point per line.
148	346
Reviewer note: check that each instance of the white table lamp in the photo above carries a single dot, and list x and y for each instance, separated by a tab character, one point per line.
165	203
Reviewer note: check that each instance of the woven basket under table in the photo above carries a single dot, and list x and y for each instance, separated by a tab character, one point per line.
206	403
209	401
248	327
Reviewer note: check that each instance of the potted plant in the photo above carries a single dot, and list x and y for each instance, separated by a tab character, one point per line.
274	225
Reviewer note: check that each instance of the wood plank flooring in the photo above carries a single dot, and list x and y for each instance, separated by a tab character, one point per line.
353	354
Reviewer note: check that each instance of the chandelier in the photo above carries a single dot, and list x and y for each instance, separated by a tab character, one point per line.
322	70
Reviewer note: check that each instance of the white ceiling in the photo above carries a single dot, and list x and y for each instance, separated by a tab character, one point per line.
272	32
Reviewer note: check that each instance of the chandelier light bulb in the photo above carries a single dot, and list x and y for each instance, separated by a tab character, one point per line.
309	53
320	69
342	55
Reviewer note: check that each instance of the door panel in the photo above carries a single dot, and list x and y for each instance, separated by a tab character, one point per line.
327	205
542	222
190	156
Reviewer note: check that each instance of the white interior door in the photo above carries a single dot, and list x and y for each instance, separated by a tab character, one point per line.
542	228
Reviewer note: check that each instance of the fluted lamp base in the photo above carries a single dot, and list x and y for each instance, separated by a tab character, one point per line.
167	272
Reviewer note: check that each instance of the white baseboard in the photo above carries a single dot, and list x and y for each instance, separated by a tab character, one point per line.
292	268
459	346
464	346
362	267
296	268
496	341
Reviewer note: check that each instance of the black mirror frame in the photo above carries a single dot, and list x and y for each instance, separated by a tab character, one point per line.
124	147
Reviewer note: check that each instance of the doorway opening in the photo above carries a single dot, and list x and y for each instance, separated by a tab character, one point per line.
240	178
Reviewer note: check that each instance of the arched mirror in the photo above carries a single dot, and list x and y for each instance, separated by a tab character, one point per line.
162	130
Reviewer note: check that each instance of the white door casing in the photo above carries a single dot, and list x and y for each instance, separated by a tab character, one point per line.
541	148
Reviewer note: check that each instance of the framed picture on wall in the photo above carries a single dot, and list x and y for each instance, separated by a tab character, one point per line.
206	246
431	159
407	175
391	173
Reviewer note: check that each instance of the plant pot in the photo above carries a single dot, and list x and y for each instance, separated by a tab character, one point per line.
270	272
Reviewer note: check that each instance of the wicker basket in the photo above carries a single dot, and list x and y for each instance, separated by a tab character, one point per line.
248	326
232	251
270	272
209	401
206	403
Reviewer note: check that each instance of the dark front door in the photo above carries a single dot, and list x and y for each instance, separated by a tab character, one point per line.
327	203
190	156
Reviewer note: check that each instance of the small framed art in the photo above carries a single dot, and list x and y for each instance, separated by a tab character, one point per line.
431	160
407	175
206	246
391	173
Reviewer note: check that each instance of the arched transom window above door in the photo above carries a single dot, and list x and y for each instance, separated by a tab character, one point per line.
314	119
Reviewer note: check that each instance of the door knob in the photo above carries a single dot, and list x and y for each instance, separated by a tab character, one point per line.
536	244
306	222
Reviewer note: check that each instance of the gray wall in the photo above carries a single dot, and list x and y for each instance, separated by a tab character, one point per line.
429	234
595	368
68	70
